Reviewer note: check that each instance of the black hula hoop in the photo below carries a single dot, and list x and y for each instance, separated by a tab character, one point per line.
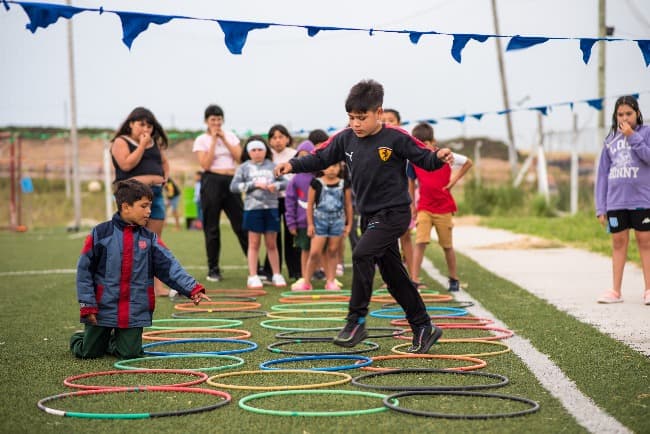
356	382
253	314
394	331
534	405
55	412
274	348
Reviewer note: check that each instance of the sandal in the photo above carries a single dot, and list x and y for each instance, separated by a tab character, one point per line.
646	297
611	297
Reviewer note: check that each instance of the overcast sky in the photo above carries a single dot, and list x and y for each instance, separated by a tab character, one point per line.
284	76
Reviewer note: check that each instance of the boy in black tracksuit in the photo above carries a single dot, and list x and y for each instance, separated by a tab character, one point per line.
376	156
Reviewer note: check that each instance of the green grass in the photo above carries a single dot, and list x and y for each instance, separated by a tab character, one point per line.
39	313
581	230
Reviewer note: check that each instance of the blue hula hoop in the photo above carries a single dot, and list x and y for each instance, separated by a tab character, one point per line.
365	362
251	346
383	313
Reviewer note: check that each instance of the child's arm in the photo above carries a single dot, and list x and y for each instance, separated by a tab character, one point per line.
165	164
640	145
240	182
600	195
85	283
457	174
311	198
347	202
290	204
167	268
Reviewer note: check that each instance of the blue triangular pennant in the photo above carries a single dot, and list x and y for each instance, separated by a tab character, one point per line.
520	42
134	23
542	109
42	15
585	46
477	116
596	103
644	46
236	33
460	40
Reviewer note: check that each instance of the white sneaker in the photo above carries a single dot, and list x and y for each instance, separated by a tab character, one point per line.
254	282
278	280
173	293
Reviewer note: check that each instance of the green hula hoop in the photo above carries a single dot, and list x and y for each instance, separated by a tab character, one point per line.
125	364
243	403
343	305
343	378
315	291
224	323
270	323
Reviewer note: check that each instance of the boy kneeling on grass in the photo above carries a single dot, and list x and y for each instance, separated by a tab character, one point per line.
115	275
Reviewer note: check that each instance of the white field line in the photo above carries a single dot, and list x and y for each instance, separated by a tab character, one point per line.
581	407
74	270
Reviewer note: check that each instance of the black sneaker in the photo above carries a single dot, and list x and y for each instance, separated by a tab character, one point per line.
214	276
318	275
454	285
423	338
353	333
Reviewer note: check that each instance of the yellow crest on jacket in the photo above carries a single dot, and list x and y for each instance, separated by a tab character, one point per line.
384	153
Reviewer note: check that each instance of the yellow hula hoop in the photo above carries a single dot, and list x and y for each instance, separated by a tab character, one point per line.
242	305
155	334
478	363
396	348
425	297
288	314
344	378
295	299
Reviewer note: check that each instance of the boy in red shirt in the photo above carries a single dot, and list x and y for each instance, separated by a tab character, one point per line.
436	205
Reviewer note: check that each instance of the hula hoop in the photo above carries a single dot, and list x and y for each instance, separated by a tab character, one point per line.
70	381
383	313
281	314
361	361
295	299
156	334
224	323
505	332
238	292
232	314
182	299
274	348
534	405
313	291
124	364
431	298
478	363
395	331
270	323
395	349
300	306
242	305
243	403
356	381
345	379
402	322
451	303
48	410
251	346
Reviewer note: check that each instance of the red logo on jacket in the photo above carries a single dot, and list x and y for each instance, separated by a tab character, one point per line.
142	244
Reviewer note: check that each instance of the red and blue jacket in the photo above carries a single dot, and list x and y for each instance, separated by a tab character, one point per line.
115	274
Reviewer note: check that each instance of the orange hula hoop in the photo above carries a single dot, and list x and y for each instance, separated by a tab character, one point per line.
154	335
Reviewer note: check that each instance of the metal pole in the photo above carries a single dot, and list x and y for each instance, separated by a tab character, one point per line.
574	168
542	173
477	161
13	219
512	152
76	181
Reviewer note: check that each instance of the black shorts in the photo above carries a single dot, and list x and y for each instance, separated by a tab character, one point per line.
619	220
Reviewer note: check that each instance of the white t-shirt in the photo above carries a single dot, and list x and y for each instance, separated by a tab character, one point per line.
223	159
283	157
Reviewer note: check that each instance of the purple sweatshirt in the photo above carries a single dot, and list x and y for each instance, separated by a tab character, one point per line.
623	180
295	201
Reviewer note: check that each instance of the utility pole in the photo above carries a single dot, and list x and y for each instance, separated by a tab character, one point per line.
512	152
76	182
